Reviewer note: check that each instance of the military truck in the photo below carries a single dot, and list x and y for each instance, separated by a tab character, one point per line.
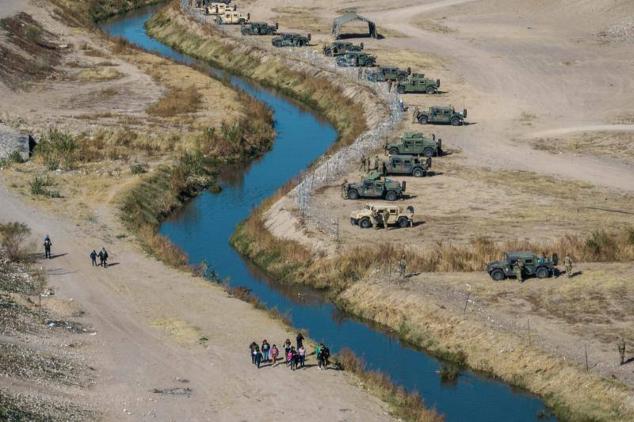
339	48
356	59
440	115
417	83
290	39
373	186
384	74
368	216
258	28
406	164
534	265
416	143
220	8
233	18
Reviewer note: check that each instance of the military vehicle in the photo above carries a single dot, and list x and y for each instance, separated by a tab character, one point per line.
406	164
383	74
220	8
356	59
534	265
369	216
440	115
339	48
289	39
417	83
373	186
233	18
258	28
415	143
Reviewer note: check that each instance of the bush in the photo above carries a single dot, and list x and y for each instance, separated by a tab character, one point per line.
58	148
449	373
16	157
12	236
138	168
39	186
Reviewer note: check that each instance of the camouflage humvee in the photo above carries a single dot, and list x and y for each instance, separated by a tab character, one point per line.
356	59
374	187
290	39
415	143
258	28
369	216
384	74
232	18
441	115
339	48
417	83
406	164
534	265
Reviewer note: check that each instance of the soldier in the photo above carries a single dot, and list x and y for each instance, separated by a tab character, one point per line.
402	264
622	350
519	270
47	247
415	115
384	219
377	163
359	73
389	86
364	164
568	265
375	219
344	189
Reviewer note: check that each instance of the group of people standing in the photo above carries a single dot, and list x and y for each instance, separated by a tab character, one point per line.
294	356
103	258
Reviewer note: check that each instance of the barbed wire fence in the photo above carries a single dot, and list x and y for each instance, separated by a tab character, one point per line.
334	166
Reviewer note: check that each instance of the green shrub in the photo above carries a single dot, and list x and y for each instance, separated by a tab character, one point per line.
58	148
138	168
12	237
39	186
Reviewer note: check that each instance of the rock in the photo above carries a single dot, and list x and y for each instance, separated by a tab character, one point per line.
12	141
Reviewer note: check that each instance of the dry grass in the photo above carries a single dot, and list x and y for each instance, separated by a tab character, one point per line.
177	101
99	74
610	144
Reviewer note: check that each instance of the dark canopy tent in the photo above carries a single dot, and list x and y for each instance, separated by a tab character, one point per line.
349	17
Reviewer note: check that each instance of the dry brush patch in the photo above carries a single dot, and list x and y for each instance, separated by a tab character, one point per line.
612	144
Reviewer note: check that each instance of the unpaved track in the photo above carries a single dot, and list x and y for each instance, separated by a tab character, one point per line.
124	303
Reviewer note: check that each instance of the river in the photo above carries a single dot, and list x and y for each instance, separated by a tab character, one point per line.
203	228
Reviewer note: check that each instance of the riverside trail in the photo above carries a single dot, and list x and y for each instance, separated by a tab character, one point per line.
202	229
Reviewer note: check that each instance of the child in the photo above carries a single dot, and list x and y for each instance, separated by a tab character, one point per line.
274	353
287	349
289	357
302	356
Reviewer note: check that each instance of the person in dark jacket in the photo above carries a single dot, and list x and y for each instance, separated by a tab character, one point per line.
93	258
300	340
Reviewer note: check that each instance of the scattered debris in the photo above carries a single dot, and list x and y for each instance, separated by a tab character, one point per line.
176	391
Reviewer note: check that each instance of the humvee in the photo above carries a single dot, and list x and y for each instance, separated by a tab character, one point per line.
368	216
356	59
534	265
415	143
220	8
406	164
442	115
232	18
374	187
418	83
339	48
258	28
383	74
289	39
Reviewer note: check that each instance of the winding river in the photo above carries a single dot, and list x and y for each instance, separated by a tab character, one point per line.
203	228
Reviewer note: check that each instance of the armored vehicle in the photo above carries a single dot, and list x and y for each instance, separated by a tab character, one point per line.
220	8
356	59
406	164
375	214
232	18
373	186
339	48
289	39
383	74
417	83
534	265
258	28
415	143
440	115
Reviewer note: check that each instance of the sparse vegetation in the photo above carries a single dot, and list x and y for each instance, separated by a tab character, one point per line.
177	101
39	187
57	149
12	237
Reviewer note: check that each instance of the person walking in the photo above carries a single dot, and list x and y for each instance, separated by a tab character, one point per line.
265	350
318	353
252	348
300	340
104	253
302	356
93	258
290	356
568	266
258	356
287	349
325	356
274	354
47	247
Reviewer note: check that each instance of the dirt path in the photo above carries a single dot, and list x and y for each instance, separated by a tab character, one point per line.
149	319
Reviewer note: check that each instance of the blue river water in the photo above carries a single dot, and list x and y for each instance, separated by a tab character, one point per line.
203	228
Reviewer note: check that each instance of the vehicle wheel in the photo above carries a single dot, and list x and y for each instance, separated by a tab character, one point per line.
498	275
431	90
418	172
423	120
456	121
393	151
391	196
428	152
353	194
365	223
542	272
403	222
353	221
400	89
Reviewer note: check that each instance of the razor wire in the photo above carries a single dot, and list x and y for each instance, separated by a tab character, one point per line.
333	167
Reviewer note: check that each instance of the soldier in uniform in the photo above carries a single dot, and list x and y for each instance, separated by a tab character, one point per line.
622	350
519	270
389	86
415	115
344	189
359	73
377	163
364	165
376	219
402	264
568	265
